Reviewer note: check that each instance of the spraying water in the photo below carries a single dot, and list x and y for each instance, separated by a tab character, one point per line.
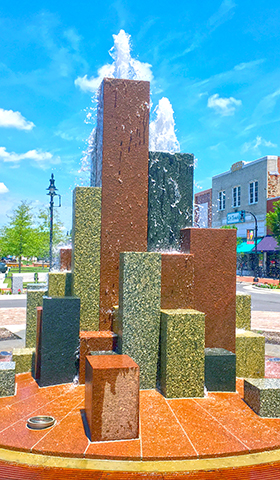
162	129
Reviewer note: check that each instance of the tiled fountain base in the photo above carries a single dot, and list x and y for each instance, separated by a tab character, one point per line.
180	429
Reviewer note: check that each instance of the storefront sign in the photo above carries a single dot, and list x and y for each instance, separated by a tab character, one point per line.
250	236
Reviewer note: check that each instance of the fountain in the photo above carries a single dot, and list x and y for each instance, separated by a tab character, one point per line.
148	308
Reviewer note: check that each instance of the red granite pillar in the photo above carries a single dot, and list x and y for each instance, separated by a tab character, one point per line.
65	258
214	253
177	279
125	145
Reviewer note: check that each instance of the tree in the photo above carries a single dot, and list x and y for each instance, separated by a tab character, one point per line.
17	238
273	221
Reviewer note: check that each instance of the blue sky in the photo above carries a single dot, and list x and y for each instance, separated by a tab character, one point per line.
217	62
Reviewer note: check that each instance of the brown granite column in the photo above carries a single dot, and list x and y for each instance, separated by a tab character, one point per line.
125	140
214	288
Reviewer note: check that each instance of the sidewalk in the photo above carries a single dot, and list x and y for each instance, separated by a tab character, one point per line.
267	281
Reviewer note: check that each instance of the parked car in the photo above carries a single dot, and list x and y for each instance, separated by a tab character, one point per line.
3	267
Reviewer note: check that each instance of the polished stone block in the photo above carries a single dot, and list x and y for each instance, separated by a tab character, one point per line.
177	280
112	397
34	300
220	368
37	367
65	258
60	284
250	354
7	379
122	168
24	359
17	283
243	311
138	325
94	342
214	252
59	340
170	198
182	353
86	253
263	396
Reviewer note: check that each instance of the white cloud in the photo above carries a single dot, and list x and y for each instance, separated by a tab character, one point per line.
124	66
11	119
255	144
223	106
224	13
42	159
3	188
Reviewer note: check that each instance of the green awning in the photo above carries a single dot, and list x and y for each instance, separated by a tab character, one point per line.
245	247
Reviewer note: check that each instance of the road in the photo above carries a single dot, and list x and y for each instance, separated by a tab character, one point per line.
265	300
12	301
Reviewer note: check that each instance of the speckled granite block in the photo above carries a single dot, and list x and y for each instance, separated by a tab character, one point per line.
94	341
65	257
17	283
263	396
7	379
112	397
250	354
86	253
182	353
24	359
220	368
34	300
243	311
60	284
139	312
170	198
59	340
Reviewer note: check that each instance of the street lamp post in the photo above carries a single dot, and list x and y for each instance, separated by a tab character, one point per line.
52	193
256	243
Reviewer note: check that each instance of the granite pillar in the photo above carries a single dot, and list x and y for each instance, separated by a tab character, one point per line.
59	340
243	311
177	279
94	342
182	353
17	283
86	253
250	354
220	370
60	284
214	288
34	300
122	167
7	379
138	325
112	397
65	256
170	198
263	396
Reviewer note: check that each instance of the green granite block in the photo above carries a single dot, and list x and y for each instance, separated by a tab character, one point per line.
34	300
263	396
182	353
250	354
59	340
86	253
243	311
7	379
220	368
139	312
170	201
24	359
60	284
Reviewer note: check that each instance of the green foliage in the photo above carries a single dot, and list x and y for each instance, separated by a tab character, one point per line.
273	221
227	227
27	236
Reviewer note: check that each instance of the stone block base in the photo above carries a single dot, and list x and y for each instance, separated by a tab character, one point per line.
220	368
250	355
243	311
24	359
94	342
182	353
263	396
7	379
112	397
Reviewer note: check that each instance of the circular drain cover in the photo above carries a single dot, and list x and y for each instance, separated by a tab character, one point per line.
41	422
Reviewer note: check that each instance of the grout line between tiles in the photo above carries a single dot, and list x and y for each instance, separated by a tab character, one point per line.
181	426
57	424
232	434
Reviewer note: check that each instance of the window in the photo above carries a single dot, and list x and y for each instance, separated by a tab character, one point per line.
253	192
222	200
236	191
